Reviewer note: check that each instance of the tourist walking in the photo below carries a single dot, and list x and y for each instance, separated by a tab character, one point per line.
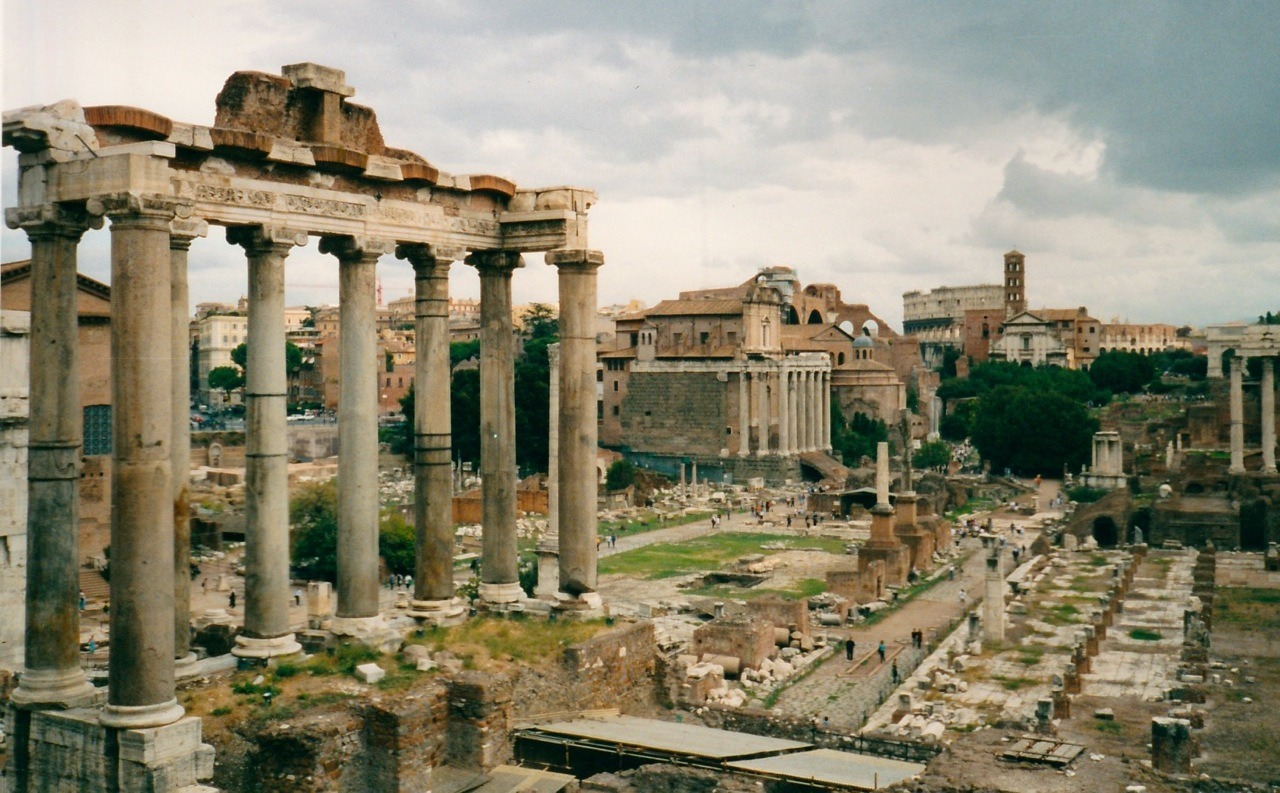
880	650
895	672
848	649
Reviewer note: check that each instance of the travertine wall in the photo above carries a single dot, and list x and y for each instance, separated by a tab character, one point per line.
750	640
616	669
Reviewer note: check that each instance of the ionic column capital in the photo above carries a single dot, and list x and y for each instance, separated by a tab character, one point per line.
51	220
495	261
352	248
428	254
183	231
575	259
139	207
267	239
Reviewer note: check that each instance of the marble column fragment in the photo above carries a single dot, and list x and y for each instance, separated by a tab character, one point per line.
1237	415
357	431
181	233
141	689
577	447
266	582
499	572
432	430
1269	415
51	676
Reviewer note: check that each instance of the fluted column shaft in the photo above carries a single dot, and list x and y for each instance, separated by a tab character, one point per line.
499	577
181	233
810	428
577	428
432	425
357	425
141	667
52	675
1237	415
1269	415
793	407
266	581
744	413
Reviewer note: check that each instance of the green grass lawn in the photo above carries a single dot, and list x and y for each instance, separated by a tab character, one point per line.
648	520
664	560
1251	609
803	590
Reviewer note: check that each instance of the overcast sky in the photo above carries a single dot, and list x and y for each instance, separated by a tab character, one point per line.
1130	150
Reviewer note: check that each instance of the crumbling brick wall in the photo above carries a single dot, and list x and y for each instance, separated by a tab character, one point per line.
750	640
617	669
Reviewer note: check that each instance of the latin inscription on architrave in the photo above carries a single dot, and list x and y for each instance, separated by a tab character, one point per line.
234	195
323	206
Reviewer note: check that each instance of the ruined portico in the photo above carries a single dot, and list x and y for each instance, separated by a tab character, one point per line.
1245	342
287	158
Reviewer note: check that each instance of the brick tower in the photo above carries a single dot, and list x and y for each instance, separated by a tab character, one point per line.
1015	283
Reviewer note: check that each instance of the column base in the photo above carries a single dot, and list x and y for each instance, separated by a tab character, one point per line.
500	594
584	606
138	717
43	689
438	612
1233	471
186	666
548	573
369	631
274	647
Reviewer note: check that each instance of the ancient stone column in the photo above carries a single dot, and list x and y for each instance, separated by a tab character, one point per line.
1237	415
784	412
181	233
432	433
882	474
499	575
811	405
1171	745
577	450
548	549
825	408
744	412
51	676
266	492
357	610
802	411
1269	415
762	410
141	664
794	409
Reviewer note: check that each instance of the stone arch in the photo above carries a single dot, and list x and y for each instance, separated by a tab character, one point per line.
789	315
871	328
815	317
840	359
1105	531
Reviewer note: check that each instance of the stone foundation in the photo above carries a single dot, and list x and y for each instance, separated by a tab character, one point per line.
71	751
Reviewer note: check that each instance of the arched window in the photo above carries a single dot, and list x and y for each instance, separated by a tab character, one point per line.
815	317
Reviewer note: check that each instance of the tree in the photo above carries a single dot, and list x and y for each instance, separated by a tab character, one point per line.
540	322
857	437
464	399
1032	431
620	476
1122	371
396	544
292	357
533	404
313	519
460	351
934	454
225	379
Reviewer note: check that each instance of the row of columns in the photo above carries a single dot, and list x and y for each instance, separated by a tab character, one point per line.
803	402
1268	405
150	530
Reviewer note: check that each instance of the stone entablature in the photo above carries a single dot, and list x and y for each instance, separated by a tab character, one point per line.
1245	342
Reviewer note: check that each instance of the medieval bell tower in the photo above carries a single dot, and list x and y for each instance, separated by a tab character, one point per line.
1015	283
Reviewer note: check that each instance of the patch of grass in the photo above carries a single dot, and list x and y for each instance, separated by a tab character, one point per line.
647	521
803	590
1144	635
1013	683
221	711
1030	656
286	669
1108	727
518	640
665	560
1097	560
1062	614
1251	609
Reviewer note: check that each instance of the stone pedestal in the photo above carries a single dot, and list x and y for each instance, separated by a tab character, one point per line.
1171	746
993	595
585	606
71	750
438	612
369	631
